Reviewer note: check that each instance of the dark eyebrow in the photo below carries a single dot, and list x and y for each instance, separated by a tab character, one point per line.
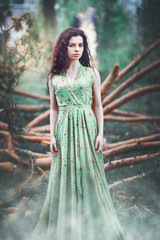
74	43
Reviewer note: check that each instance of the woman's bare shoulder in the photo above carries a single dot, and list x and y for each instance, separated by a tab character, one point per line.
50	77
95	72
52	80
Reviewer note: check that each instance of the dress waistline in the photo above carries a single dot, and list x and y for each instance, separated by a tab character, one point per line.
74	107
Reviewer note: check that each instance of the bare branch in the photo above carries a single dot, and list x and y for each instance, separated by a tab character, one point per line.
38	119
122	100
131	147
134	140
129	161
132	65
128	114
131	119
128	82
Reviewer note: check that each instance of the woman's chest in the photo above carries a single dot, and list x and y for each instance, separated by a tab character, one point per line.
81	84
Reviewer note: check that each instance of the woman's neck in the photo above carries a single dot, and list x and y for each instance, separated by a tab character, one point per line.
74	65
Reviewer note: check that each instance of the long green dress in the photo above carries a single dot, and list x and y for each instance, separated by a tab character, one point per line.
78	205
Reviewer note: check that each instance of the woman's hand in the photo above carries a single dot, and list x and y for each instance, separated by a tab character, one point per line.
99	143
53	146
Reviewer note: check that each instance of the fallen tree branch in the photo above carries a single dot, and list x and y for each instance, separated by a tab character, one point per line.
38	180
124	113
31	153
38	119
11	153
4	135
44	163
127	97
108	81
129	161
30	108
40	170
131	179
3	126
132	65
7	167
31	95
36	138
131	147
131	119
134	78
44	128
37	134
134	140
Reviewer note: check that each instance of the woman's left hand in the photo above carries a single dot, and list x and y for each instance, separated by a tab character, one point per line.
99	143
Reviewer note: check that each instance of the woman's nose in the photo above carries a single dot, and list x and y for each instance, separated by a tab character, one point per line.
76	48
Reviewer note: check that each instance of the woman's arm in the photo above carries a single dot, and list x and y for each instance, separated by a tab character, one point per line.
54	111
98	109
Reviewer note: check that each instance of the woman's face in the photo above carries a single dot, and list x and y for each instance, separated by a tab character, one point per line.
75	48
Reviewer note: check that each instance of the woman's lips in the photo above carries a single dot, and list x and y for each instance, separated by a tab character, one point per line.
76	54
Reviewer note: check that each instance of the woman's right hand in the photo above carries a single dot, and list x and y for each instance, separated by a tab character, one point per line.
53	146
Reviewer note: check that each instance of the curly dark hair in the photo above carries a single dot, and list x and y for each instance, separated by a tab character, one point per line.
60	61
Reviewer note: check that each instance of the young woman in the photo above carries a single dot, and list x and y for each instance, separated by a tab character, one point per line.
78	204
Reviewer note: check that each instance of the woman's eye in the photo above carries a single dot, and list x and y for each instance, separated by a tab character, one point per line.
73	45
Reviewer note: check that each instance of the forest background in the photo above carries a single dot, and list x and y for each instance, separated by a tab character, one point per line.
125	29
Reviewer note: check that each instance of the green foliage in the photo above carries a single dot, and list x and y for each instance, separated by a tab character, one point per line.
148	21
14	61
115	38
